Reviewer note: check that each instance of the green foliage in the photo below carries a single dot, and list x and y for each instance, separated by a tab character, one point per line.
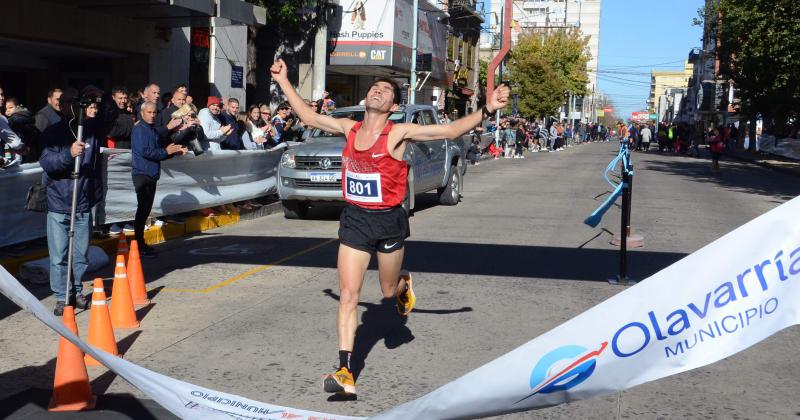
760	51
483	71
290	13
545	69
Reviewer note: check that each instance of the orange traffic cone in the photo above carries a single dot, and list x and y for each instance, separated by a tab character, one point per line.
101	333
122	313
71	389
136	276
122	247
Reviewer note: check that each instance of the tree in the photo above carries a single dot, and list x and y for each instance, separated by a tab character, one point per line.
289	34
545	69
759	49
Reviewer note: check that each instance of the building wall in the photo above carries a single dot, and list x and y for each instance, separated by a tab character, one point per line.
231	50
169	59
535	15
662	81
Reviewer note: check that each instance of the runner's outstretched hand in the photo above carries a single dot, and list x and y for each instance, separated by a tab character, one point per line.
278	70
499	98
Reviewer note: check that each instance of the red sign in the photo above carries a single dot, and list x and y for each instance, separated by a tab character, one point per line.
608	109
200	37
640	116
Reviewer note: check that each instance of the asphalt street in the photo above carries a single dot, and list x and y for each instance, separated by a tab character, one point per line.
250	308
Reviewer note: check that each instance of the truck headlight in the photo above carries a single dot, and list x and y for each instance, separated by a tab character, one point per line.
287	160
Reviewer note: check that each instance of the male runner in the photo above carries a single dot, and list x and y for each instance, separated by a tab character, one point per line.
374	187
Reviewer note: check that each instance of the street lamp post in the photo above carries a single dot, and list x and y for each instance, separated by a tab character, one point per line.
412	96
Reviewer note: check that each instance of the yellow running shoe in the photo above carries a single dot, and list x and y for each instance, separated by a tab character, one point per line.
406	299
340	382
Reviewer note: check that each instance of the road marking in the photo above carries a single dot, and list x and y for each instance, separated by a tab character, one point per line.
250	272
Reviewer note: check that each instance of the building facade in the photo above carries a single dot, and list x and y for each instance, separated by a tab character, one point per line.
663	83
545	15
128	43
368	39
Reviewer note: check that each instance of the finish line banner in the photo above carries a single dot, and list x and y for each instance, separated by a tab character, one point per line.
714	303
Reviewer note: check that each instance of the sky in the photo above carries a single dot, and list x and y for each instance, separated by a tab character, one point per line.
637	36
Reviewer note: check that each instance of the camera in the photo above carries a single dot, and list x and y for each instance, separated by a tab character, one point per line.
190	137
88	100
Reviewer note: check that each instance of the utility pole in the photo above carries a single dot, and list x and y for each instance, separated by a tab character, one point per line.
320	59
412	96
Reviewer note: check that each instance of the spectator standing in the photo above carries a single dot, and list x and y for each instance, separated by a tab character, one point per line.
23	124
213	127
50	114
119	135
57	161
147	155
254	134
177	100
647	135
232	140
280	122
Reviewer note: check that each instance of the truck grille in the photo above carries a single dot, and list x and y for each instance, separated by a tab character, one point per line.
313	162
304	183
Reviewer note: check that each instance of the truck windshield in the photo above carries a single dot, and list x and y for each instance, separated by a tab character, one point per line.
396	117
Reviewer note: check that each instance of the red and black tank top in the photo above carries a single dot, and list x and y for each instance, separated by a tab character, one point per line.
372	178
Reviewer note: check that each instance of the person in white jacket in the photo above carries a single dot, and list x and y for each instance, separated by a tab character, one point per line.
213	129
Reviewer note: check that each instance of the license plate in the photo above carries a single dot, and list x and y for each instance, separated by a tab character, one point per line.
322	177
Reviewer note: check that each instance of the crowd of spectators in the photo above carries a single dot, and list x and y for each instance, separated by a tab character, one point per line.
513	136
221	125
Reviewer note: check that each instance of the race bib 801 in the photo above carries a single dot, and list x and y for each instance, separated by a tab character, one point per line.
363	188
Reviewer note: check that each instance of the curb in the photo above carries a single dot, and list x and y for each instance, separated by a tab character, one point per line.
155	235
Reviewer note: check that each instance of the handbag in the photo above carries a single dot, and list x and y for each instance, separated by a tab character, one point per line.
36	200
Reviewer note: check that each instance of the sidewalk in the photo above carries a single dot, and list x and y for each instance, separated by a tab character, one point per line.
13	256
778	163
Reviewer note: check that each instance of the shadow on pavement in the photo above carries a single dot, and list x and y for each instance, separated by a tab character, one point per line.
32	404
733	176
39	380
472	259
380	321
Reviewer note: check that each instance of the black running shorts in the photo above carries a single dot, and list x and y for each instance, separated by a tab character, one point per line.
373	230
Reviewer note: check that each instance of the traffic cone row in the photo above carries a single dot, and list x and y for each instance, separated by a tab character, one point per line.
71	388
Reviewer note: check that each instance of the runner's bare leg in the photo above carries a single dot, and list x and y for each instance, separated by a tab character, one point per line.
389	265
352	264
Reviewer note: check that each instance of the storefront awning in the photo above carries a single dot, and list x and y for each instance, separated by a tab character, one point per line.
177	13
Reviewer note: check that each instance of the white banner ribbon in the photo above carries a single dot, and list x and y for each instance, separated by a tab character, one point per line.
181	398
714	303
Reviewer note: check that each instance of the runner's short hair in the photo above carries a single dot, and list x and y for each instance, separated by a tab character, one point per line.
395	87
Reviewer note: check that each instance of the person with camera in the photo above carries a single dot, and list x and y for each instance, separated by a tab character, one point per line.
61	147
146	158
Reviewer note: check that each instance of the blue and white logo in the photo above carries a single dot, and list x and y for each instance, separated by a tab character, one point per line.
563	368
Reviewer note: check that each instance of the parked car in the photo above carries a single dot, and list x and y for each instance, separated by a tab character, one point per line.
312	172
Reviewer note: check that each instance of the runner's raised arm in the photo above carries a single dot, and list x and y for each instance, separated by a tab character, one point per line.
457	128
306	114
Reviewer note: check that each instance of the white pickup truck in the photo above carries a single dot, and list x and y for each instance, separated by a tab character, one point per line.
311	172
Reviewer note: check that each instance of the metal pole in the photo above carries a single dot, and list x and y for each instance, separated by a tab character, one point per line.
320	59
412	96
73	210
212	57
500	68
624	227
